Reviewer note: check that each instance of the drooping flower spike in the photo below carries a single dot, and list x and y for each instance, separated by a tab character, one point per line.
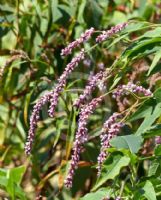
81	137
51	97
62	81
131	87
34	120
110	129
107	34
83	38
54	95
92	83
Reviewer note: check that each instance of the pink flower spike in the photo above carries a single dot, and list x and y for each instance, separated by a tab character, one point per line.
62	82
110	129
34	120
92	83
81	137
106	34
83	38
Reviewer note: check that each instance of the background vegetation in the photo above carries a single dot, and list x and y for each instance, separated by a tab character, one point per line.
32	34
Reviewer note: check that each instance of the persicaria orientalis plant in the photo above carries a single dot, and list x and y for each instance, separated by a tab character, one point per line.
86	105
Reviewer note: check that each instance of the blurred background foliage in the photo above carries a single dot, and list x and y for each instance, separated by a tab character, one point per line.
32	34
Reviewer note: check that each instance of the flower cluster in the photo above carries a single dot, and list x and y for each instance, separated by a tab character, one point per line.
130	87
34	120
158	139
92	83
62	81
106	34
110	129
83	38
81	137
51	97
16	54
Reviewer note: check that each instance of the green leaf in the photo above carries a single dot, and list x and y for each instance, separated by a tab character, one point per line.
134	27
111	168
15	174
70	10
80	18
56	13
149	191
157	150
10	180
153	131
146	190
149	119
141	48
157	95
153	34
143	110
131	142
118	17
153	168
155	61
100	194
93	13
150	110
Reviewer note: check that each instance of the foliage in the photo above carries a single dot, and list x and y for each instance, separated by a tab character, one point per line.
32	34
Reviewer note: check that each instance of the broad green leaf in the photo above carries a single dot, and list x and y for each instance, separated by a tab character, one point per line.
118	17
157	95
134	27
153	168
157	150
14	177
131	142
142	48
150	110
149	191
153	131
145	190
3	181
81	11
100	194
16	174
143	110
3	172
56	13
93	13
111	168
149	119
147	107
154	33
155	61
70	10
142	7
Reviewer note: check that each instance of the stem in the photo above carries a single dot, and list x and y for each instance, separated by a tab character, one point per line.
132	178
